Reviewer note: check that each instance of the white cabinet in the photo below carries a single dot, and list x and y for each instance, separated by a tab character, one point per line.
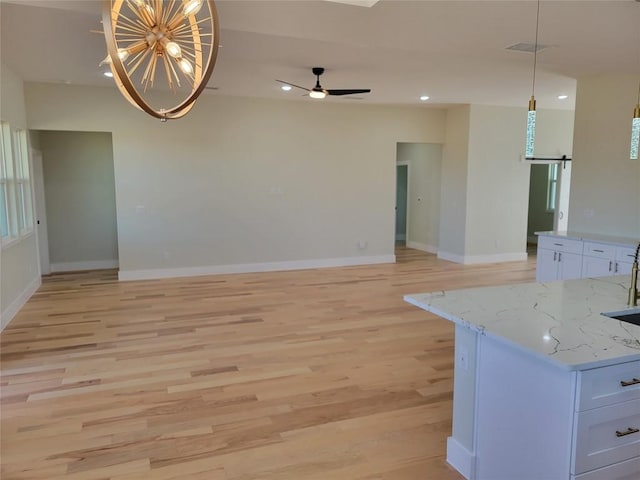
624	260
531	420
558	259
561	258
604	259
606	434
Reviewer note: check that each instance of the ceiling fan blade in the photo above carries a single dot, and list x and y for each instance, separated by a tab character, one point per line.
348	92
293	85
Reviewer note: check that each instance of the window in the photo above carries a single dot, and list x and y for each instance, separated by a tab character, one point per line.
16	209
552	187
6	174
23	182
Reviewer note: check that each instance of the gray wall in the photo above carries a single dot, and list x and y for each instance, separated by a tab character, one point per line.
80	198
402	185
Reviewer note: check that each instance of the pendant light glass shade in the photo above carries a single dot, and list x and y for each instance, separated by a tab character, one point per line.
635	133
531	128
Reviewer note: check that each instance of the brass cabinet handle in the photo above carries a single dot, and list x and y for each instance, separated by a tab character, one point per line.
628	431
633	381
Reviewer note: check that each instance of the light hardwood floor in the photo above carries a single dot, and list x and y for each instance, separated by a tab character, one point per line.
307	375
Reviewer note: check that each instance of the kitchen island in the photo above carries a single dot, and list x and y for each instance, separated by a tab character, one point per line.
545	387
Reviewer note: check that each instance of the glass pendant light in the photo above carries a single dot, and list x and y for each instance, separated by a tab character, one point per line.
531	114
635	129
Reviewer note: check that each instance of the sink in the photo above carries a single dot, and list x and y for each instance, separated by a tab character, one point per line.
630	316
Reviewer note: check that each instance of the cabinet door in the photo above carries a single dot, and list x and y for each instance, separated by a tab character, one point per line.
623	268
569	266
597	267
546	265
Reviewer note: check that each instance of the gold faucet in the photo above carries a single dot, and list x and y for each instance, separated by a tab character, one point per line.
633	289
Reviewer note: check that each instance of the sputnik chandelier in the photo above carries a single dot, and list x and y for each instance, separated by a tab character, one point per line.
178	39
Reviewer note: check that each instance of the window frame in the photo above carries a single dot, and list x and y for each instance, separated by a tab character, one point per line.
17	191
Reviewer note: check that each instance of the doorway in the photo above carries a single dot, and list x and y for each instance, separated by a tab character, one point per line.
74	185
402	183
549	188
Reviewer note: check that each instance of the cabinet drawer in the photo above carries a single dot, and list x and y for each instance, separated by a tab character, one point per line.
600	439
608	385
625	254
628	470
602	250
561	244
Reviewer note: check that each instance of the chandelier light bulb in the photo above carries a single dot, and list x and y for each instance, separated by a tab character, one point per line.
173	49
185	66
106	61
123	54
192	7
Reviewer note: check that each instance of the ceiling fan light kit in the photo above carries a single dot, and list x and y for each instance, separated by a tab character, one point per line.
318	92
180	37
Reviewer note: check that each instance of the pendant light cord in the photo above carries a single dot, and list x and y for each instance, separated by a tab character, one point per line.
535	51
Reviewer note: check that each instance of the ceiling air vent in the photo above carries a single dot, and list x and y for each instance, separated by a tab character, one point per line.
526	47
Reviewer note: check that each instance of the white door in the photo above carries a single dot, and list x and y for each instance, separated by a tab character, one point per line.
41	212
563	185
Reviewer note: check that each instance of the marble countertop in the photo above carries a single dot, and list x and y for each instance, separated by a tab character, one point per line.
560	322
592	237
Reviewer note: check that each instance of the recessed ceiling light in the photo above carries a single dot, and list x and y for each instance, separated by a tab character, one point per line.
286	88
424	98
108	74
563	97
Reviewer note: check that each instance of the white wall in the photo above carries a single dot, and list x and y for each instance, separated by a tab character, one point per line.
453	198
605	184
492	180
19	273
497	185
245	183
80	200
423	223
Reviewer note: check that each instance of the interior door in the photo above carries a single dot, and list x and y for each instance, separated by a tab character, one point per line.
40	212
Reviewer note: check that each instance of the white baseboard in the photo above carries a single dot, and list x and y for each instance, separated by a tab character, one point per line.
79	266
422	246
7	315
451	257
477	259
157	273
460	458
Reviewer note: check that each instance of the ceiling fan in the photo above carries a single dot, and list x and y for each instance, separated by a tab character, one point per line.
319	92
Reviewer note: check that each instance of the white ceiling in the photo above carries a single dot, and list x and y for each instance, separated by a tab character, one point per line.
453	51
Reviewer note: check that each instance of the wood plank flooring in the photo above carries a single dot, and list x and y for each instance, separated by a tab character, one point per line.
305	375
